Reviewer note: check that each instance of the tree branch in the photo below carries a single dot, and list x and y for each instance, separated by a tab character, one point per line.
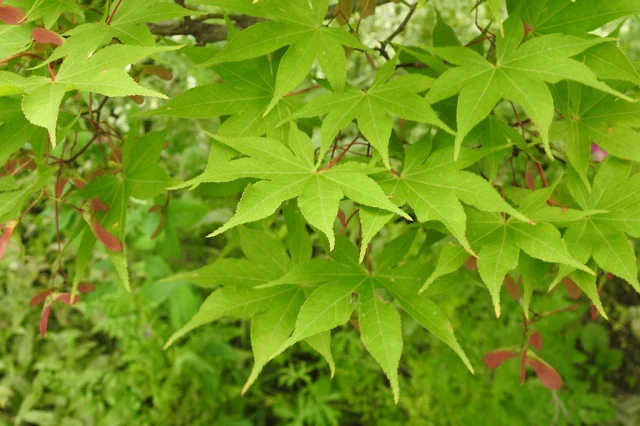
210	33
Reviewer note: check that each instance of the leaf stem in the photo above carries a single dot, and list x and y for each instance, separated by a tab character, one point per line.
342	154
383	45
307	89
113	12
18	55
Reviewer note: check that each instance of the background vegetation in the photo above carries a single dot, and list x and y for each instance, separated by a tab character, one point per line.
102	362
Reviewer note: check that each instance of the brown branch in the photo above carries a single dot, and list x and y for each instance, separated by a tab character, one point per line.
397	31
342	154
204	32
113	12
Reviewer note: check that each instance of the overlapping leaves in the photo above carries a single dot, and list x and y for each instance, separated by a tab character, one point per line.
316	295
520	73
434	186
374	108
242	97
287	173
141	177
605	236
592	117
102	73
294	24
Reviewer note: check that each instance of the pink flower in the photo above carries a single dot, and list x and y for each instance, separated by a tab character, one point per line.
598	154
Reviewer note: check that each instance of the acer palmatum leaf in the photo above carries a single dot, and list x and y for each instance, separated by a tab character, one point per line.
108	240
547	375
11	15
44	319
494	359
43	35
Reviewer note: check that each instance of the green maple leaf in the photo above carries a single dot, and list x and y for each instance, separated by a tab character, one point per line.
15	129
244	94
434	185
50	11
499	242
605	237
373	108
595	117
129	23
608	62
272	311
287	173
520	74
450	259
13	39
103	73
535	205
330	304
141	177
13	201
294	24
570	17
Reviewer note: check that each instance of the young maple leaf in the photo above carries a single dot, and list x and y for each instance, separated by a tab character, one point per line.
141	177
338	278
533	204
570	17
304	301
596	117
520	74
547	375
499	242
243	95
605	236
374	108
101	73
297	24
434	186
129	23
287	173
273	310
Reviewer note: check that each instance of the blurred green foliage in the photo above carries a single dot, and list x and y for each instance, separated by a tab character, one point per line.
102	361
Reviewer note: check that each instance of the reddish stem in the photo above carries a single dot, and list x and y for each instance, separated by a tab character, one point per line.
17	55
113	12
22	166
51	73
346	222
342	154
542	175
308	89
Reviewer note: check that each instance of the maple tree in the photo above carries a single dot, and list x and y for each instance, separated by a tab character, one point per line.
479	151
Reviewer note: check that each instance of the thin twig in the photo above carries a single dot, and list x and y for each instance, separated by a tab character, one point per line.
342	154
307	89
383	45
113	12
